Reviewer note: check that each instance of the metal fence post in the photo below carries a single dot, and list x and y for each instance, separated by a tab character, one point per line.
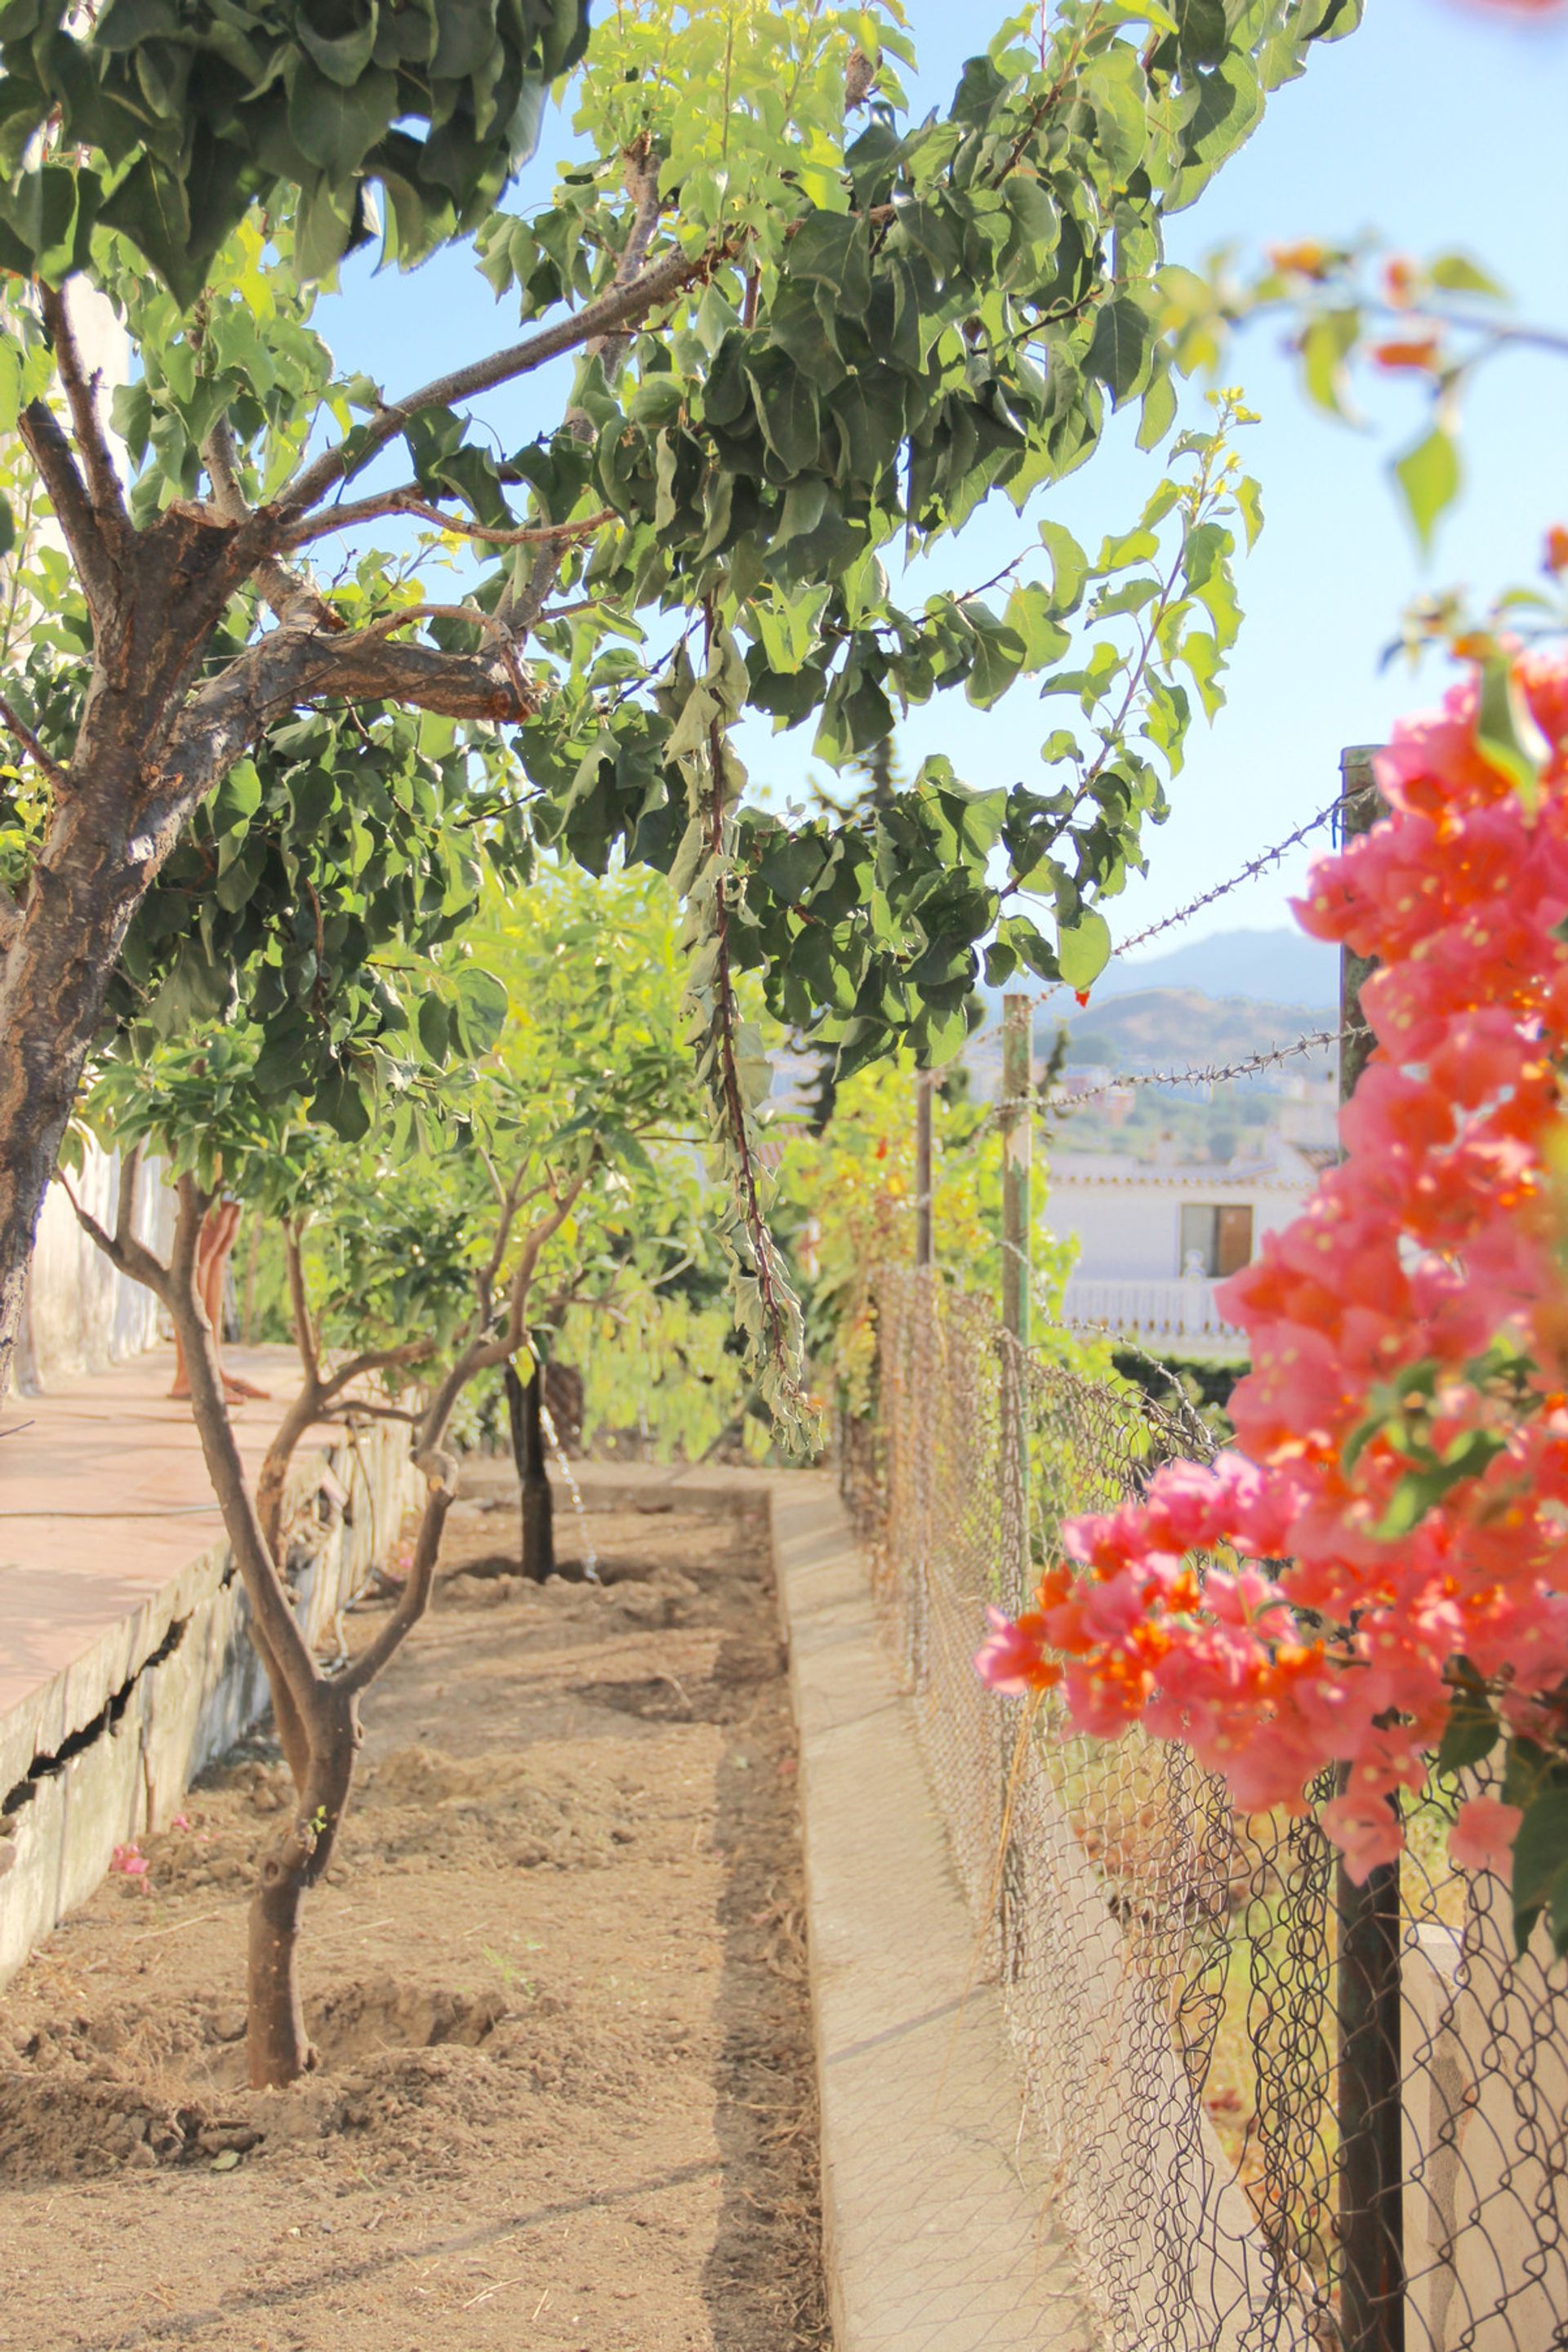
925	1252
1367	1990
1017	1112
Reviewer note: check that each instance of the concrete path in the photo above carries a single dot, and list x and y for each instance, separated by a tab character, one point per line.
936	2215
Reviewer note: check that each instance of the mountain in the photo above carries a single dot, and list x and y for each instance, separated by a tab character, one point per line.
1176	1028
1281	967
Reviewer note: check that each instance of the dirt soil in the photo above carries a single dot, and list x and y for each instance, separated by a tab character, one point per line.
557	1979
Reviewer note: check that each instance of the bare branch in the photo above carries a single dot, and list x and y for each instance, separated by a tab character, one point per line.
31	745
107	497
375	1359
286	667
130	1257
407	501
521	609
277	1633
295	602
415	1598
55	460
300	1307
522	1280
125	1194
618	307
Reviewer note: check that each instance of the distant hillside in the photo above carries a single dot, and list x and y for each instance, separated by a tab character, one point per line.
1173	1028
1279	967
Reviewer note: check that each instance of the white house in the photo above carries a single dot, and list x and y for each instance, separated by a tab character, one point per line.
1155	1238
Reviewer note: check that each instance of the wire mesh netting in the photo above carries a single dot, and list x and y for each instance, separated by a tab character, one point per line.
1197	2056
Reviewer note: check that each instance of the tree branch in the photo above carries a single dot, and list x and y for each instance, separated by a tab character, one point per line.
408	501
618	307
520	608
276	673
300	1307
375	1359
295	602
104	492
415	1598
127	1255
31	745
278	1632
52	454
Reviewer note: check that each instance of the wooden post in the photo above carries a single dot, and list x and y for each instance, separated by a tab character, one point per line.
925	1247
1017	1142
1017	1124
1367	1987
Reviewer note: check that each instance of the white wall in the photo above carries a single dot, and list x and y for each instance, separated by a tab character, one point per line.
80	1314
1133	1229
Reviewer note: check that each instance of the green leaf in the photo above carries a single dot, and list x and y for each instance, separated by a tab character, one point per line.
344	59
1471	1732
1069	567
1541	1865
1120	352
334	125
481	1008
1456	274
1428	476
1506	733
1325	343
1083	949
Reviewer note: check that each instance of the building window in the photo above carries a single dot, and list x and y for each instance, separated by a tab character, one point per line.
1214	1241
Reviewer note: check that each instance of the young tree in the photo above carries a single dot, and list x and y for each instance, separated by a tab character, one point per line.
804	330
437	1255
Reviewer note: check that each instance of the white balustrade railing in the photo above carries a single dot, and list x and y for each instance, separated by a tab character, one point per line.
1179	1308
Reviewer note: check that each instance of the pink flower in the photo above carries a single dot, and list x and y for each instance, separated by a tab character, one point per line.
1366	1831
1011	1659
1483	1834
129	1861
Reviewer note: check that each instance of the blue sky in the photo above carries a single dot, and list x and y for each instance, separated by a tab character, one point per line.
1438	126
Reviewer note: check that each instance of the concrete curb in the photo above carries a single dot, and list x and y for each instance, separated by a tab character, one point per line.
936	2219
107	1748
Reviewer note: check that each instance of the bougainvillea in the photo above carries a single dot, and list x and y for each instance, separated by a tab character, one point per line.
1385	1552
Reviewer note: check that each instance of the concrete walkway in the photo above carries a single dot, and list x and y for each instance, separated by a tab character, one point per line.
125	1663
937	2213
105	1515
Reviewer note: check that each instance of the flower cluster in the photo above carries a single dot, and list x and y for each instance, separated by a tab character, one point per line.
1386	1550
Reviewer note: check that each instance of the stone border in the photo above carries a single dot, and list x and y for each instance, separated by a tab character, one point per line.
936	2218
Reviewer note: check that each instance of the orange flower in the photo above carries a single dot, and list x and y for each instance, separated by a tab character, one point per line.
1304	260
1555	557
1400	278
1421	352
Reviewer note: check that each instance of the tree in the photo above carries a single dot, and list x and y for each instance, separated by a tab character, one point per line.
847	1211
804	330
437	1255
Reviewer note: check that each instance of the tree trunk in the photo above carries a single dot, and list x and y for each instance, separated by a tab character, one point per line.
536	1504
53	980
278	2046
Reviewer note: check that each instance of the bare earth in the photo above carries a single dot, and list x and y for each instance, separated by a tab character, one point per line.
556	1977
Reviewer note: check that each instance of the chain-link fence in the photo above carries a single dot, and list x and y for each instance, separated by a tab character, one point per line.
1262	2136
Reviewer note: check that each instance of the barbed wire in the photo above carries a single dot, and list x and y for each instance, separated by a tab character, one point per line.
1247	873
1216	1074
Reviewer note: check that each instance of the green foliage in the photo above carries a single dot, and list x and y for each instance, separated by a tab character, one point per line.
191	111
846	1208
1433	324
1537	1781
839	333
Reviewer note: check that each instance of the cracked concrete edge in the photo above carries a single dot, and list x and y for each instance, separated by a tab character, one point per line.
937	2227
156	1726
